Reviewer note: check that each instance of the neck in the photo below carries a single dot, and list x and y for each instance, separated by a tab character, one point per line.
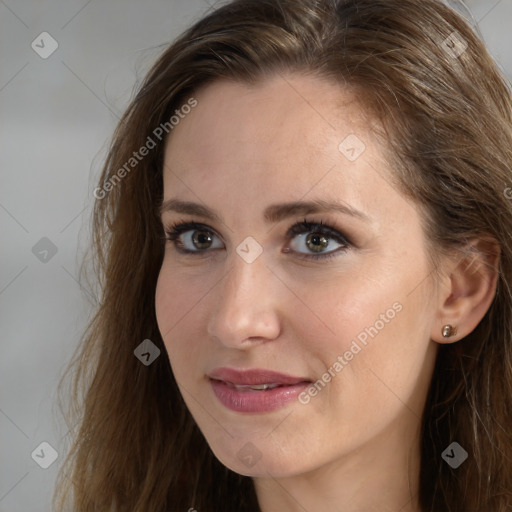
382	476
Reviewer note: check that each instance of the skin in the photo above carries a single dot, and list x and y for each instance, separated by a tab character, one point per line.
355	445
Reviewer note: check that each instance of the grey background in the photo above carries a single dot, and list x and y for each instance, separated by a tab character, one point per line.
57	115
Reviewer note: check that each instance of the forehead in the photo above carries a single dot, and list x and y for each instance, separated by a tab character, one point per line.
276	114
280	120
282	139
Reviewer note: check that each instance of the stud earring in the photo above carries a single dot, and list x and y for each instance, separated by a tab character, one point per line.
448	330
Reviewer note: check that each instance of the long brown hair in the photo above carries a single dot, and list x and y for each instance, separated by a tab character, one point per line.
447	111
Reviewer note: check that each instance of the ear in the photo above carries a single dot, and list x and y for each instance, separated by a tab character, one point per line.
467	289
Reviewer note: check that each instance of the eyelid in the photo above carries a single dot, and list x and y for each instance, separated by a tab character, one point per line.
321	227
180	227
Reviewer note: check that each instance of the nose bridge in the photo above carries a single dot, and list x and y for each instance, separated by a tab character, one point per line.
246	305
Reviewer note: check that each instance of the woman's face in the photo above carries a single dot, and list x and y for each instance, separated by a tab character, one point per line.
342	312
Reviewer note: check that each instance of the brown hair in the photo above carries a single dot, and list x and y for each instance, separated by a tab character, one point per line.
448	121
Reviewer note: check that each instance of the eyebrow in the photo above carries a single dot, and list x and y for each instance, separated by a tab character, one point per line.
272	214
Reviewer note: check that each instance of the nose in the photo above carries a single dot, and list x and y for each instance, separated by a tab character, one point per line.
247	305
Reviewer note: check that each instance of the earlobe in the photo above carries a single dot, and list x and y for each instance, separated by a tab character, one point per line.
448	331
470	289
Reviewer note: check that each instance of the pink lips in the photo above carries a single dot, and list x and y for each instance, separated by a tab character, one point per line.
255	390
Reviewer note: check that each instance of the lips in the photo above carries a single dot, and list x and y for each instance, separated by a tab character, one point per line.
255	390
255	377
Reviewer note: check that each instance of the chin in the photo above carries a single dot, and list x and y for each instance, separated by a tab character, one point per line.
255	460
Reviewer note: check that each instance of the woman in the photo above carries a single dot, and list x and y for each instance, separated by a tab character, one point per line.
303	235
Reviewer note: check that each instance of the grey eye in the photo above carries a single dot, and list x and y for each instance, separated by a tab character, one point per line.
199	239
314	242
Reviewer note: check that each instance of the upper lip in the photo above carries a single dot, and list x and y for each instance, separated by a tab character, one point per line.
254	376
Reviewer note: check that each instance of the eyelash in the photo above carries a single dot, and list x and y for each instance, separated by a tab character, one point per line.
174	231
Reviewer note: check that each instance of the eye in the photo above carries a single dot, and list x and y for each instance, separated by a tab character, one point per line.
191	237
318	239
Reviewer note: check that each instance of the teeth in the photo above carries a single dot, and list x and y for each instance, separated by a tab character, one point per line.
256	387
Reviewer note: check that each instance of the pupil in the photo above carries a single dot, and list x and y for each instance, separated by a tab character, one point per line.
200	239
319	242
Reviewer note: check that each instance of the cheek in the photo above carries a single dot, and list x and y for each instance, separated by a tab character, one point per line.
169	304
179	290
344	306
370	339
178	304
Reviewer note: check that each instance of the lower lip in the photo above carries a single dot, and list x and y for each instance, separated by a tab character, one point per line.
256	401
